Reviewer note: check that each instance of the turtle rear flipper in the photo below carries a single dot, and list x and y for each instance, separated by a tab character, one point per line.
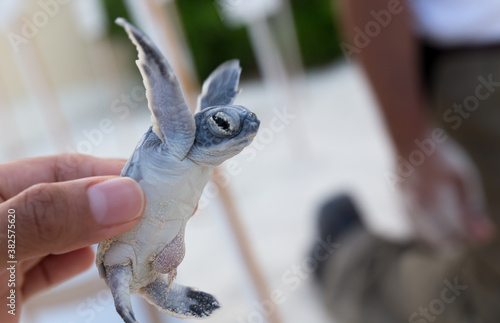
119	278
179	301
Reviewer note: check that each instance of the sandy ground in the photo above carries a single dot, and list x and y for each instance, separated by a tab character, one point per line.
331	142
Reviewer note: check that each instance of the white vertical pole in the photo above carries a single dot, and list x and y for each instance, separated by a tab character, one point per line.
287	31
276	77
268	58
43	91
90	17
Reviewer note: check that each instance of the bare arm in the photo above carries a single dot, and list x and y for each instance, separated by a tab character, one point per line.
446	205
392	63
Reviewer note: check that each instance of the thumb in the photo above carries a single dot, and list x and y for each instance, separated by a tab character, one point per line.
64	216
478	226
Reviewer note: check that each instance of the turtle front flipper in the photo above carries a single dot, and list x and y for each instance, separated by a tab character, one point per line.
221	87
119	278
172	120
179	301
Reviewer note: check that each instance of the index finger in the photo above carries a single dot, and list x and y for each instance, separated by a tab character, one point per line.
16	176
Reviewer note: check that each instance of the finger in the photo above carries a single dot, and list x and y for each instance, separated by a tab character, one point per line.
55	269
16	176
427	228
478	226
60	217
424	228
433	211
450	215
477	223
30	263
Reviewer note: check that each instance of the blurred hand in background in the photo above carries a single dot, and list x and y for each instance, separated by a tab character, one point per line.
443	193
444	198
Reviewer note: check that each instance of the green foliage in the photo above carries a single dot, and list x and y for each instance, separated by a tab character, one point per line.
212	42
115	9
317	32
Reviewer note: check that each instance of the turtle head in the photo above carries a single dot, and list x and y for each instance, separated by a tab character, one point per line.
221	133
223	130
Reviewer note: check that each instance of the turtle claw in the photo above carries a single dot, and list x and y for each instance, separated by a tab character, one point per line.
179	301
127	316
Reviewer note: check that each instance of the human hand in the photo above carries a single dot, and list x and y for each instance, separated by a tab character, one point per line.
62	205
445	200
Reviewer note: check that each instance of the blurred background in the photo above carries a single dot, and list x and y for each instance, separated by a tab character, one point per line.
68	83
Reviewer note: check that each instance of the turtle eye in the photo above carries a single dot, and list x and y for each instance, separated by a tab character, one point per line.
221	122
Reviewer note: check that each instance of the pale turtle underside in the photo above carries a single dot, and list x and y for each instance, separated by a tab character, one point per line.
172	164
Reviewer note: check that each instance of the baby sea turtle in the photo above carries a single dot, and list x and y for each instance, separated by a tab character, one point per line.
172	163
